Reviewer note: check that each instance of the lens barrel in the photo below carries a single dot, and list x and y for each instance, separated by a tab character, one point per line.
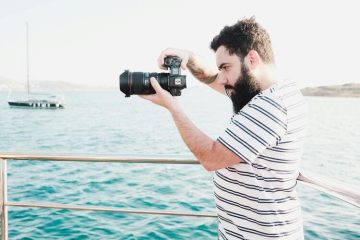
138	83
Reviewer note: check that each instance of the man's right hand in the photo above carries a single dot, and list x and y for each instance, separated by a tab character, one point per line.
185	55
188	60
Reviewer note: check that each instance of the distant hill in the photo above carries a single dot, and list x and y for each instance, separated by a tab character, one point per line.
345	90
6	84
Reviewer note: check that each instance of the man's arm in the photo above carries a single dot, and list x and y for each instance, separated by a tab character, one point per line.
204	75
190	61
211	154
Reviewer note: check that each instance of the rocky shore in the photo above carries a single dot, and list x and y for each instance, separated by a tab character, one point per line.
344	90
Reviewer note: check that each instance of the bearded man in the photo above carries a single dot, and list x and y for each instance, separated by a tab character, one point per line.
255	160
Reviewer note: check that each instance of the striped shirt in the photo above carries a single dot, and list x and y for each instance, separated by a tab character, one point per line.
256	198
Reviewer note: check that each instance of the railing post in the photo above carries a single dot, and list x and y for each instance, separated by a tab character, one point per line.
3	199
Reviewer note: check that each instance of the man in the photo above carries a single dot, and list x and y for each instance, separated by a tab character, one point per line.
256	158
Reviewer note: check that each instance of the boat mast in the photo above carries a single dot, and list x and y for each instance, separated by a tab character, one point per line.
27	59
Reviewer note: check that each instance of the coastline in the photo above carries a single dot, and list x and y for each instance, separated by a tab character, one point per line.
344	90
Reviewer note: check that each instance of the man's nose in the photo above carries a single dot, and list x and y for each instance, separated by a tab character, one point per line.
221	79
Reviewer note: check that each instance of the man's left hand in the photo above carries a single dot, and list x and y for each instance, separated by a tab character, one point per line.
161	97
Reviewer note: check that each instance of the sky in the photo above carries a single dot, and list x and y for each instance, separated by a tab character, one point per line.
92	42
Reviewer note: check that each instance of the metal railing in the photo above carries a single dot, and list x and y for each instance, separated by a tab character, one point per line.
339	192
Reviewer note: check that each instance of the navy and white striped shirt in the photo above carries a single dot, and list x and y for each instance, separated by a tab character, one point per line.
256	199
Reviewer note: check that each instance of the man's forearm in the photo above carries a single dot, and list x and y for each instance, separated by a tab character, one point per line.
200	72
199	143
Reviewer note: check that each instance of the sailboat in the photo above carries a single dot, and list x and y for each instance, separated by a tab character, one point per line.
43	101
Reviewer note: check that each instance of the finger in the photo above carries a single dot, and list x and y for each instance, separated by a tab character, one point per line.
163	55
155	84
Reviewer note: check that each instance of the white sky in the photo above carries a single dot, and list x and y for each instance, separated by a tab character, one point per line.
92	42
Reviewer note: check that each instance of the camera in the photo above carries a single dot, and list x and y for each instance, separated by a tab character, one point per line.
138	83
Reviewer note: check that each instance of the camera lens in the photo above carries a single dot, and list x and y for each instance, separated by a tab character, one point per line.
136	83
125	83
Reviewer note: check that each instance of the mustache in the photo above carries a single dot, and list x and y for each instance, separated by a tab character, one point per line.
227	87
227	90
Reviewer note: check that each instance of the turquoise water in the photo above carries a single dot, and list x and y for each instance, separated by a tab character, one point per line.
106	123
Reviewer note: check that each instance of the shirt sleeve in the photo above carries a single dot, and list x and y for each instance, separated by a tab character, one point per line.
259	125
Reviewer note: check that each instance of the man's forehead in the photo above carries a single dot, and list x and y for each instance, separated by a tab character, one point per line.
223	56
222	51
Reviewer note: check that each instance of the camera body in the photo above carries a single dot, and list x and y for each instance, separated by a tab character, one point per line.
138	83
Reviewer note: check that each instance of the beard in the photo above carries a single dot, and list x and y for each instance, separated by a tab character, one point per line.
245	89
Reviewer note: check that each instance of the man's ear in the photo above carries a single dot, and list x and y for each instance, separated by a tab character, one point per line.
253	59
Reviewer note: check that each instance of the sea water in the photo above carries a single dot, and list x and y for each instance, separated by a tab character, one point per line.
105	123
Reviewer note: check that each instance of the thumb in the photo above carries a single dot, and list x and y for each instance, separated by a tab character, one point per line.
155	84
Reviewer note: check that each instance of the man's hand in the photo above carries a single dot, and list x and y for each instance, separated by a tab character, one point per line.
190	61
183	54
161	97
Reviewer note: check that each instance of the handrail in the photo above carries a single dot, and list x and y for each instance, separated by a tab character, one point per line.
82	158
331	189
339	192
111	209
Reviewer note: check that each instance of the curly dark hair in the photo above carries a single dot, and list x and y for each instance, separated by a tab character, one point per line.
244	36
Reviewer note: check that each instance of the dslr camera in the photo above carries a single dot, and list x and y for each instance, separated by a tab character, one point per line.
138	83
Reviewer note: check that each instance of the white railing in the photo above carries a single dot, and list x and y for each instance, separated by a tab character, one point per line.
339	192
